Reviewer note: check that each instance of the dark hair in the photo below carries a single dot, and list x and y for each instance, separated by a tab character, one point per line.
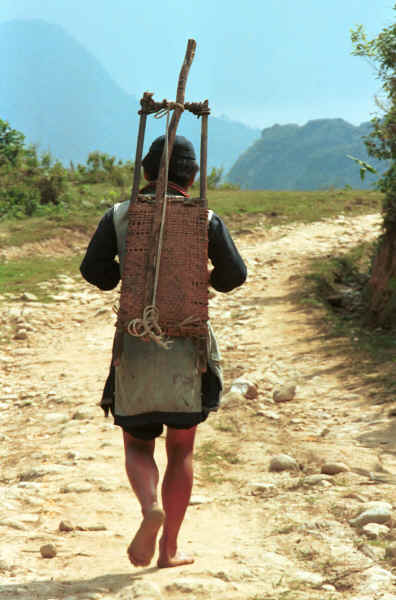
182	166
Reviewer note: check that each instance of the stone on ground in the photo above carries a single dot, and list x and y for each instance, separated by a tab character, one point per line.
283	462
284	393
48	551
333	468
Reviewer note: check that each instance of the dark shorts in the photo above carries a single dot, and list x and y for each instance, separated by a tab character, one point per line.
152	431
148	427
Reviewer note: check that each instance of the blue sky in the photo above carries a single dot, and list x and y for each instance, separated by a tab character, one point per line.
259	61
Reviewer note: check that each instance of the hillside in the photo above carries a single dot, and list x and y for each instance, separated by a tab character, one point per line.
55	92
313	156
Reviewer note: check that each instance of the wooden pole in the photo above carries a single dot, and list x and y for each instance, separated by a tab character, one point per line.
160	189
139	148
181	89
204	156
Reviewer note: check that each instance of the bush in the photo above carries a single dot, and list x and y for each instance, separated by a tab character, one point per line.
102	168
31	183
19	201
51	183
11	144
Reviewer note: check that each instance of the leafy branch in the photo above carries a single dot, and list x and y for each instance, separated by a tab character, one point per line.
364	166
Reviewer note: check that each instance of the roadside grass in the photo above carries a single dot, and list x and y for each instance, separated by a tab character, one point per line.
82	206
30	275
227	424
294	206
215	461
334	290
79	210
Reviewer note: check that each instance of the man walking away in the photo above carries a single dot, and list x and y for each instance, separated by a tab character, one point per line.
151	387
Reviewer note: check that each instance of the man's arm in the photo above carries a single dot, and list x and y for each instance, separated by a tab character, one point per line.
99	266
229	269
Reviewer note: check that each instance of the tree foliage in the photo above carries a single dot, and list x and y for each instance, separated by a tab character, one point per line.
102	167
11	144
381	144
27	180
30	181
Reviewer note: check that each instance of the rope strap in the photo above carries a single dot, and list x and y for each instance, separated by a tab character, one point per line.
150	106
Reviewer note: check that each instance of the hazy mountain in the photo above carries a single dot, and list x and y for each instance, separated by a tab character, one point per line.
313	156
55	92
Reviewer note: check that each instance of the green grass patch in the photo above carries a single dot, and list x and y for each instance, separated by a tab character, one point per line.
80	209
26	275
227	424
215	461
349	270
294	206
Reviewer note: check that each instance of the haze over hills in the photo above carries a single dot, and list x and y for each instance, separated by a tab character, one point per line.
55	92
312	156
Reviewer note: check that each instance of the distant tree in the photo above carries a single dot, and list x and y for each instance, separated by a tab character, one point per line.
214	178
46	160
31	160
102	167
11	144
26	179
94	167
51	181
381	144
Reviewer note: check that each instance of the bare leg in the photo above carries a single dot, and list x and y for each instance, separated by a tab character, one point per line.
176	493
143	476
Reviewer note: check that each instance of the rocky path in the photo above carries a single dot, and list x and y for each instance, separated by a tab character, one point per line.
295	476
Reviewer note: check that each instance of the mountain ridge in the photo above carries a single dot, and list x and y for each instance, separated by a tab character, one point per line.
304	157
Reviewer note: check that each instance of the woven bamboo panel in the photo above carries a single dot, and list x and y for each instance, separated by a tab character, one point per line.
182	294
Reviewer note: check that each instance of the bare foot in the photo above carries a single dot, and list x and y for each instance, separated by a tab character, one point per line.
174	561
168	559
141	549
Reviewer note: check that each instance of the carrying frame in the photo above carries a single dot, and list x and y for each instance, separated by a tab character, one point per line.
158	211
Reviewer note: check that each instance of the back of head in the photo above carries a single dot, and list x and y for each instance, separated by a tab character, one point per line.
182	167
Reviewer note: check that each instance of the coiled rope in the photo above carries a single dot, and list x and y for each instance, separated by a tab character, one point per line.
148	326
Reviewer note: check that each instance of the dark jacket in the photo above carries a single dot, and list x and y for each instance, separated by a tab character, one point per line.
100	268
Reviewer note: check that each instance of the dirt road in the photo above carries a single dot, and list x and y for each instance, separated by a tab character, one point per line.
257	533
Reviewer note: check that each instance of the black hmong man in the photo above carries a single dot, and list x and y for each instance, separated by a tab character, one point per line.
174	381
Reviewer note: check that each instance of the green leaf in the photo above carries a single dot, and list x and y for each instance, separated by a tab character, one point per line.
364	166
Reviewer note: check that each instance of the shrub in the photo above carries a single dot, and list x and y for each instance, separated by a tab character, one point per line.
51	183
19	201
